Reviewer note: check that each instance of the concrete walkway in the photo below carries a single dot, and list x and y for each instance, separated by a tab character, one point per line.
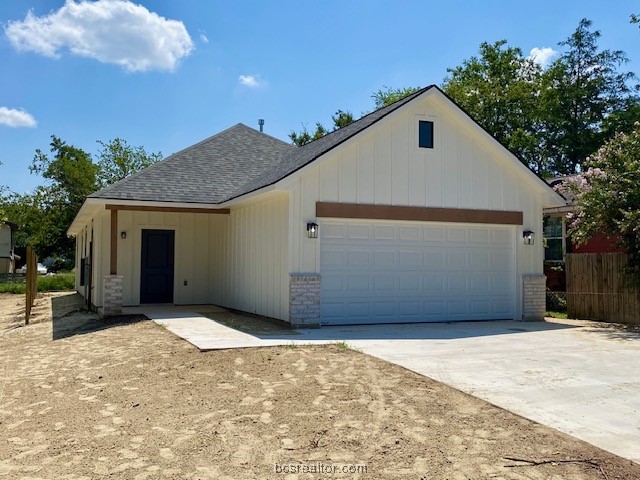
579	377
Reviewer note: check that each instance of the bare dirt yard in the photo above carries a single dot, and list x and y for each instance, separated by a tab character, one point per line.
81	398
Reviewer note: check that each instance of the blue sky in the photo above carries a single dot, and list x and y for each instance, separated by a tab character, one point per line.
220	63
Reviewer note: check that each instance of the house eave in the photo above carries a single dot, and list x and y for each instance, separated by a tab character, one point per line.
563	209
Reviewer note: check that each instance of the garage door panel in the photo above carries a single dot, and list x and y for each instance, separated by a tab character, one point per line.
359	257
480	283
501	236
333	230
433	259
481	259
456	235
410	234
433	234
502	306
434	308
409	283
409	309
433	283
358	231
457	259
332	258
332	283
384	232
479	235
480	307
385	309
379	271
457	308
409	258
384	284
384	257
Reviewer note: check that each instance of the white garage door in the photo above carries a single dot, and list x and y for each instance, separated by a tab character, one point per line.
396	272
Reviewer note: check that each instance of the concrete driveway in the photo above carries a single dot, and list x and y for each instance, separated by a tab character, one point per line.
581	378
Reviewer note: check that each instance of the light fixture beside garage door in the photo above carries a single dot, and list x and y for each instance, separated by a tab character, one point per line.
312	230
529	237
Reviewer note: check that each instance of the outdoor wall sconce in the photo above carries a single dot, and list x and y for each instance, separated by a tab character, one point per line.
529	237
123	235
312	230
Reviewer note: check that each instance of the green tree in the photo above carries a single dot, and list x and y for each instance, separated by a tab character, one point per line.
387	95
304	136
498	88
117	160
45	214
340	119
579	90
622	120
70	175
607	196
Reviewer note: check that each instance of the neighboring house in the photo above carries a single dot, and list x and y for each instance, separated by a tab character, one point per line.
558	243
7	244
413	213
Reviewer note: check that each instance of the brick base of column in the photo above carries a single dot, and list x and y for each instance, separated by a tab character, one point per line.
304	300
534	297
111	295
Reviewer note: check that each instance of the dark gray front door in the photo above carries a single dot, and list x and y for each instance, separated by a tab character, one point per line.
156	282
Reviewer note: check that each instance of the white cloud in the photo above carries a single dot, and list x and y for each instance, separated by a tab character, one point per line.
12	117
251	81
203	37
542	56
111	31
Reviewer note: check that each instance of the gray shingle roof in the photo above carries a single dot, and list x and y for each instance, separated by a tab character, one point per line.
207	172
232	163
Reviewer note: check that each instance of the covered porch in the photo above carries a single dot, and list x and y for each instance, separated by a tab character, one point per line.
132	253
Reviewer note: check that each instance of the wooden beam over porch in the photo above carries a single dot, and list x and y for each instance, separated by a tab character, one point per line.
114	208
113	258
167	209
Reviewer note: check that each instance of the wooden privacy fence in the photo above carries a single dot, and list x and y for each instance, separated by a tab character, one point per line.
596	289
31	282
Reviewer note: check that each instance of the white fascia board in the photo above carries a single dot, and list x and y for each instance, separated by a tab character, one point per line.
281	184
86	213
565	209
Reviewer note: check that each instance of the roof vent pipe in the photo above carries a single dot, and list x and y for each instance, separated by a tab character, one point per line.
261	123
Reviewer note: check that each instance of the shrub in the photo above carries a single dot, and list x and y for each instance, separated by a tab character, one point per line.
46	283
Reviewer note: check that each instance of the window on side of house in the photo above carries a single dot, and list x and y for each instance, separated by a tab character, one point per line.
83	265
553	239
425	134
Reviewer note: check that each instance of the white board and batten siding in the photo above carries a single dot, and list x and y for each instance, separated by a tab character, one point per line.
237	260
384	166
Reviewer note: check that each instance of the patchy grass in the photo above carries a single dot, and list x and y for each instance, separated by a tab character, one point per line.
46	283
554	314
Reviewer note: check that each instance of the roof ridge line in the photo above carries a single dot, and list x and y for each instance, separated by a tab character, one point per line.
419	91
238	192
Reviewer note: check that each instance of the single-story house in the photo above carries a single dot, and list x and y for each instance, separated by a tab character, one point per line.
7	247
413	213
